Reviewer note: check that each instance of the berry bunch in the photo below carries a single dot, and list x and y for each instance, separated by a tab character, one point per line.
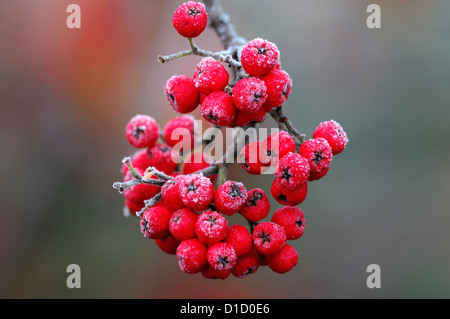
184	207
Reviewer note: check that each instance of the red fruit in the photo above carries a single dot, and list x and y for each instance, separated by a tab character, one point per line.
191	255
319	155
268	238
287	197
292	220
134	207
218	109
316	176
190	19
180	129
246	265
277	145
249	94
257	205
170	192
140	192
210	76
162	204
284	260
182	224
292	171
168	244
259	57
142	131
163	158
196	192
182	94
240	239
230	197
198	161
333	132
210	273
251	158
249	119
155	222
279	84
221	256
211	227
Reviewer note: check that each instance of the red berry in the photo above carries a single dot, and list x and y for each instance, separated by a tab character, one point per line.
240	239
155	222
180	129
196	192
211	273
316	176
162	204
246	265
210	76
134	207
221	256
332	131
163	158
259	57
287	197
218	109
279	84
170	192
277	145
182	94
248	119
191	255
142	131
197	162
168	244
292	220
140	192
284	260
251	159
229	197
268	238
211	227
182	224
257	205
292	171
190	19
318	152
249	94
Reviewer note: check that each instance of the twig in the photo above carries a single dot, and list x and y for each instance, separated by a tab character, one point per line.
149	203
286	125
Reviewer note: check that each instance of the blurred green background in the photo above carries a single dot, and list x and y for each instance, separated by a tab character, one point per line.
65	96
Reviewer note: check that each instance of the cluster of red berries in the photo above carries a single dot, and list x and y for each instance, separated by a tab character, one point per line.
264	86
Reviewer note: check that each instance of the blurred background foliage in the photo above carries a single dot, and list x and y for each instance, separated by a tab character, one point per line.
65	96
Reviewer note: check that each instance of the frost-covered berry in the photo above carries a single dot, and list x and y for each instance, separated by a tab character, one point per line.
198	161
287	197
221	256
292	220
257	205
180	129
319	155
259	57
182	94
142	131
292	171
161	157
249	94
168	244
196	192
277	145
211	273
229	197
240	239
246	265
268	238
333	132
251	159
284	260
155	222
218	109
170	192
191	255
211	227
140	192
279	84
182	224
190	19
247	119
316	176
210	76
